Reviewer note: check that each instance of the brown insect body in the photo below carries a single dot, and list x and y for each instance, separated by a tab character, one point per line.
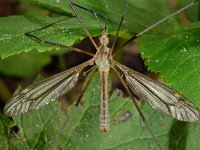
102	62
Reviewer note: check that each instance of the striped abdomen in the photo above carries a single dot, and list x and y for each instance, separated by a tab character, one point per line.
104	112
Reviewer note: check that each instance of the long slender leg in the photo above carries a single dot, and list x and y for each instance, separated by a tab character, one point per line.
49	25
29	34
138	109
154	25
56	44
120	24
83	25
85	87
159	22
65	46
91	11
61	129
72	111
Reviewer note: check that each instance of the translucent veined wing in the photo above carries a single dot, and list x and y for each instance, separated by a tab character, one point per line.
43	92
158	96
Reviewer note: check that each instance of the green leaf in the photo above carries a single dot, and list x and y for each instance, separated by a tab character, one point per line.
13	41
127	130
176	57
58	6
137	16
193	136
30	66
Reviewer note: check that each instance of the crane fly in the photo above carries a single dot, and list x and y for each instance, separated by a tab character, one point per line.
157	95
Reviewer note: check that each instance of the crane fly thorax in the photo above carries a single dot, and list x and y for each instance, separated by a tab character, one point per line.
102	54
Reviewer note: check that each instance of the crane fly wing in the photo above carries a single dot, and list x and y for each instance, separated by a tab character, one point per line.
157	95
43	92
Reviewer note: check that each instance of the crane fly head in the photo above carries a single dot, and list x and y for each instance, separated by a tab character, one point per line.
104	39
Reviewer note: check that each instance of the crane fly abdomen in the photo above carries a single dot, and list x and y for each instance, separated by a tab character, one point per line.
104	111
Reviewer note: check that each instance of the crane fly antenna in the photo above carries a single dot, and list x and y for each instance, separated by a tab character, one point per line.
98	20
73	110
159	22
138	109
120	24
83	25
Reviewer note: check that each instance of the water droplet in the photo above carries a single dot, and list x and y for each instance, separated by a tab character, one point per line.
157	60
170	84
184	49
